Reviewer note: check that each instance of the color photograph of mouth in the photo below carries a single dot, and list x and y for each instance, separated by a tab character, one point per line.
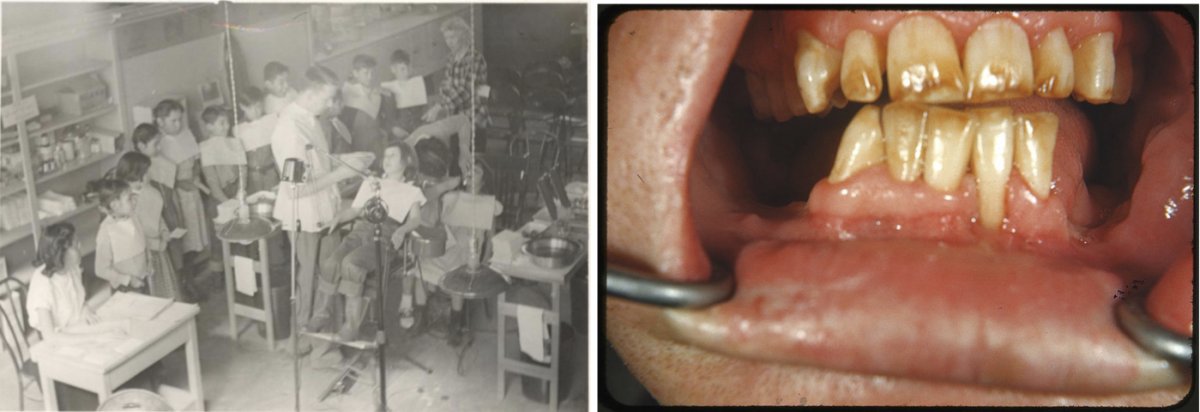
918	207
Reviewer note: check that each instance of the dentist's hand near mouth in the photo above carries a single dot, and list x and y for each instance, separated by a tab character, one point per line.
677	195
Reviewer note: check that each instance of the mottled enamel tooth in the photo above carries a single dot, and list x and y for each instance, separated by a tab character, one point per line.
861	146
922	62
1054	66
862	67
778	95
904	129
817	67
1034	157
949	135
1095	66
992	161
997	62
1123	76
760	101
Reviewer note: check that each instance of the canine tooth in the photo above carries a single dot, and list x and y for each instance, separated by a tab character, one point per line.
992	161
779	104
794	101
862	61
948	137
997	62
1123	76
1034	157
922	62
759	99
861	146
1094	68
1054	66
904	129
817	67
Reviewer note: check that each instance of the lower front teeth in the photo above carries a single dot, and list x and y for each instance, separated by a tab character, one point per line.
912	138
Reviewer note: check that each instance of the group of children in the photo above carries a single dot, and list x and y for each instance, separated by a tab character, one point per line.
160	198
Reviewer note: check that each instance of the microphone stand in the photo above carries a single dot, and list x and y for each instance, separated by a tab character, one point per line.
375	212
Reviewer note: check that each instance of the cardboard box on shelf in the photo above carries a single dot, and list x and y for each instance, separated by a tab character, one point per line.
82	94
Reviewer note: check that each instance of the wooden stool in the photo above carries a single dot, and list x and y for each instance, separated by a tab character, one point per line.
549	374
262	270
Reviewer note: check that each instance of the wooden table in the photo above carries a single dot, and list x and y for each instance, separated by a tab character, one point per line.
522	267
121	358
262	270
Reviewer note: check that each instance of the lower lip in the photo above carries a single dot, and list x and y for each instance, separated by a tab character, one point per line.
928	310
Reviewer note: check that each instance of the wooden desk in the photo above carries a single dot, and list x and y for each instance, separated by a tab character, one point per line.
81	365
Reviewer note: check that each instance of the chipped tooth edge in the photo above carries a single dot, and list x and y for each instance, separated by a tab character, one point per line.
947	87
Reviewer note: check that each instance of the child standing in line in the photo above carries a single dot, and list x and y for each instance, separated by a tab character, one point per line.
56	303
121	257
254	130
149	213
400	121
279	91
179	146
222	156
161	176
359	92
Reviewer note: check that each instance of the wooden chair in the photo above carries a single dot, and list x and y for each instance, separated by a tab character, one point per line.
508	178
14	333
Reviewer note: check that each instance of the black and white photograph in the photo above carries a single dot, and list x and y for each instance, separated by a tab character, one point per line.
294	206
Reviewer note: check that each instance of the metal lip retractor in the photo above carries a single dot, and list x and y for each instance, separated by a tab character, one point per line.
1149	334
627	284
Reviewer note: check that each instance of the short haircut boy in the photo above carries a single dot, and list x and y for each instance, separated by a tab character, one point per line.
166	107
321	76
212	113
274	69
400	57
363	61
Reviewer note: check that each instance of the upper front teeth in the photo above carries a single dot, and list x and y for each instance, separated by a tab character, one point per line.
923	65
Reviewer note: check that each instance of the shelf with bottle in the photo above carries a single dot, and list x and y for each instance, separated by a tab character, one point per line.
17	232
63	120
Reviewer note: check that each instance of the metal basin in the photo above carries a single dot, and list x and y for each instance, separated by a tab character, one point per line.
551	252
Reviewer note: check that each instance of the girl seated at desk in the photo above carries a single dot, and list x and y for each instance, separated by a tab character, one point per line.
345	271
56	301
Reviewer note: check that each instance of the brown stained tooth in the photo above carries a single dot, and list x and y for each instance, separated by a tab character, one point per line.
760	101
904	130
992	161
1054	66
1034	157
861	146
1123	76
949	138
817	67
1095	67
794	100
997	62
862	67
778	96
839	100
922	62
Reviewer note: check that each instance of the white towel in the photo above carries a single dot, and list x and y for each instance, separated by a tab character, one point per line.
532	332
243	275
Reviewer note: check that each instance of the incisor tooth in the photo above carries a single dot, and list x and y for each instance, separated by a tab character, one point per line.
997	62
922	62
992	161
861	146
862	67
816	71
759	99
904	129
1054	66
948	137
1034	157
1123	77
1094	68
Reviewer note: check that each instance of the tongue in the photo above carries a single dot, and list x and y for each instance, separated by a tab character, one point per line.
927	310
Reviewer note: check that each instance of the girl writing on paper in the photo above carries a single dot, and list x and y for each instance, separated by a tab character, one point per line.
57	302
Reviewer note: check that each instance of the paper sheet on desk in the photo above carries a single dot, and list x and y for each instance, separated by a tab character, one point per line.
132	306
243	275
506	246
532	332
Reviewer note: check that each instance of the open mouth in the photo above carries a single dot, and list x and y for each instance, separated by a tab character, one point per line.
951	198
